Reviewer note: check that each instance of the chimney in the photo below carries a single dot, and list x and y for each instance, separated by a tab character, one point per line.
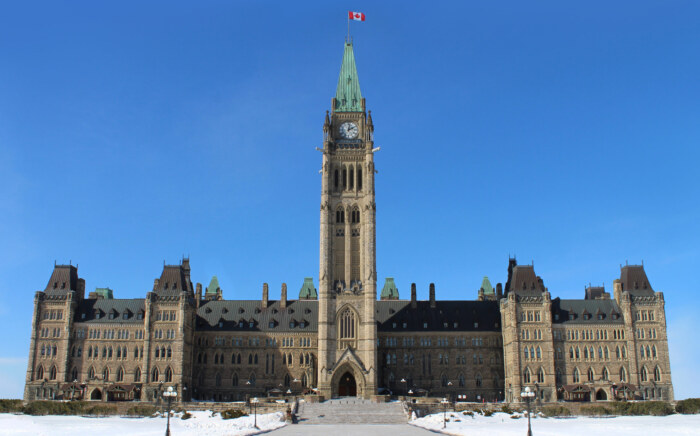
414	303
199	294
265	296
155	284
432	295
283	298
499	291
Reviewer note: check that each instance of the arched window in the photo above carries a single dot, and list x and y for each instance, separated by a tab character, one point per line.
585	353
157	353
234	379
105	374
540	376
648	352
250	359
479	380
527	353
644	375
591	376
252	379
623	374
641	351
124	353
653	351
578	353
443	380
605	375
218	380
576	377
347	325
170	354
255	359
168	375
624	352
526	376
571	353
304	380
607	355
539	353
617	352
557	376
39	373
461	380
74	374
287	380
91	373
657	374
120	374
137	375
155	374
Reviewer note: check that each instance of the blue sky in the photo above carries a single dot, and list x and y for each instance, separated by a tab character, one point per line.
133	133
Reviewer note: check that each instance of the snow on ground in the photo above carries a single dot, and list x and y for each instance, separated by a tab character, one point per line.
501	424
201	424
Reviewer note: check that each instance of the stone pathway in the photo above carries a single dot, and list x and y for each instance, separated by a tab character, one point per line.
351	430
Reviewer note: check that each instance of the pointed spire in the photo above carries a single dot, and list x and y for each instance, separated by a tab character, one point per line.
348	97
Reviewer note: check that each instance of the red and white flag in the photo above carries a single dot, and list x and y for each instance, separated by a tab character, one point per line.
357	16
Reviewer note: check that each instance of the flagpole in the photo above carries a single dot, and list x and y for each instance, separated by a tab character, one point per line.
348	40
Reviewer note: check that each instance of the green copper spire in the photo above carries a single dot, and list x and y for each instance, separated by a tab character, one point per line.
308	290
348	97
389	291
213	287
486	286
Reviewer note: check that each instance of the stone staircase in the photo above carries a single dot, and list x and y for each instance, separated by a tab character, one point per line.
351	411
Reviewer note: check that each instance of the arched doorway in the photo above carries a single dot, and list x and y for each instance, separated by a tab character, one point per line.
96	395
347	386
601	395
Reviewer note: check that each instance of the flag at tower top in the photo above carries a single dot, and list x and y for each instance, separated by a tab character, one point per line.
357	16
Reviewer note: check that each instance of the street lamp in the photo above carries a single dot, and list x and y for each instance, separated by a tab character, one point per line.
255	411
527	395
444	412
403	382
169	395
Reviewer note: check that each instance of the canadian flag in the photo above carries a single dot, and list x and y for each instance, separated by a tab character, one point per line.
357	16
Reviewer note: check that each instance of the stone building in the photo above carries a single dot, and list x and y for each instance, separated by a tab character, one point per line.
341	340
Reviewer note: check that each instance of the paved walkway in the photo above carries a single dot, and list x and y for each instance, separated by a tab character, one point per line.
350	411
351	430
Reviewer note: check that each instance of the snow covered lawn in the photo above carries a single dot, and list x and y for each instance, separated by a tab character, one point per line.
502	424
201	424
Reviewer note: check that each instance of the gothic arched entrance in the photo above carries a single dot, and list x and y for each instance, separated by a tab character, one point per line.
96	395
347	386
601	395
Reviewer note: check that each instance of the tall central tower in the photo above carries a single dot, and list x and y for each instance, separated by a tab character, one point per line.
347	349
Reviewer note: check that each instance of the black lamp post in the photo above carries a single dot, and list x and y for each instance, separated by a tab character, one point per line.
527	395
444	412
169	396
255	411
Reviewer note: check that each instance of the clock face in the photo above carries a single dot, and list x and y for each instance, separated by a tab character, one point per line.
349	130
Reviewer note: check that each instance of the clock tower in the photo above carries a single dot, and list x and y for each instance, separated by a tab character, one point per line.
347	343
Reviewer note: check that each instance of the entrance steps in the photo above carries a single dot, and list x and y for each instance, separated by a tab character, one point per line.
351	410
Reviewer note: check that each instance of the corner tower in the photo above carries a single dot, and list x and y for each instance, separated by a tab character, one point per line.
348	290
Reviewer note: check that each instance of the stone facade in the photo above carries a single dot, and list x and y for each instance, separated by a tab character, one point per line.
342	341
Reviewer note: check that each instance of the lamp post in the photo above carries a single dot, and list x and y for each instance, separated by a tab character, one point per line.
72	389
527	395
255	411
169	396
403	383
444	412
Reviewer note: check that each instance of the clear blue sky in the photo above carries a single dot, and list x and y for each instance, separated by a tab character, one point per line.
132	133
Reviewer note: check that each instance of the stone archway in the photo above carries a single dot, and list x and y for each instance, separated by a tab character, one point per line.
601	395
347	386
350	378
96	394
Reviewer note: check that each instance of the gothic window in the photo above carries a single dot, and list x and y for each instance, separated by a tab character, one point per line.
155	374
539	353
347	324
340	216
335	179
653	351
444	380
571	353
351	179
623	374
359	179
648	354
527	354
624	352
540	376
576	375
255	359
120	374
558	376
345	179
600	352
137	375
74	374
657	374
617	352
526	376
641	351
250	359
52	373
461	380
105	374
234	379
605	375
578	355
91	373
251	380
585	353
644	375
478	380
287	380
591	376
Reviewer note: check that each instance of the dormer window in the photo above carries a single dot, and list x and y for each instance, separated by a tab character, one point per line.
425	325
55	285
240	324
251	324
63	285
166	286
139	315
292	324
221	324
404	325
600	316
444	325
125	315
571	316
556	317
241	310
302	324
82	315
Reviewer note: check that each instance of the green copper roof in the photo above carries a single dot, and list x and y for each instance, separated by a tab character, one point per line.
105	293
389	291
348	97
213	286
486	286
308	290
